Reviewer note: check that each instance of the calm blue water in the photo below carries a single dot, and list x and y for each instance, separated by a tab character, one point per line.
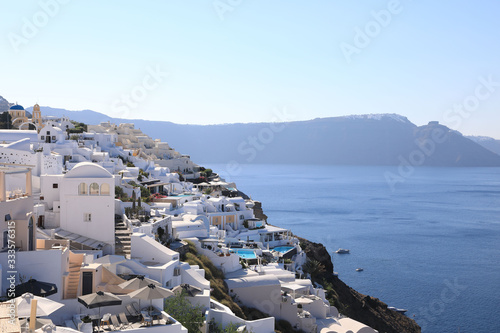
430	245
245	254
283	249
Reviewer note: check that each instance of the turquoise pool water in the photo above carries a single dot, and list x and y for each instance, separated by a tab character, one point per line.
283	249
245	253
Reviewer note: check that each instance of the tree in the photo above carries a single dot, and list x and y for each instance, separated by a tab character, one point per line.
191	317
145	193
314	268
207	173
118	192
5	120
133	201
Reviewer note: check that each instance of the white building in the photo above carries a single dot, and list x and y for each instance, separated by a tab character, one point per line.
82	202
17	222
41	161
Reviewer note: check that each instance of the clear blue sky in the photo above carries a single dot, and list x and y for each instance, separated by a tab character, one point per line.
420	61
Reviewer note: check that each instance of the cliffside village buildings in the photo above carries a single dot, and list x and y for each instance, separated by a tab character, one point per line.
66	221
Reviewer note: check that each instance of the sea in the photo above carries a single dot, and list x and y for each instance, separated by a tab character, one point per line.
428	239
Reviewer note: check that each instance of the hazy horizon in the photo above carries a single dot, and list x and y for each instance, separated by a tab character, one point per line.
236	62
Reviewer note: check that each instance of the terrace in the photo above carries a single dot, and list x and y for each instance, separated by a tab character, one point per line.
159	321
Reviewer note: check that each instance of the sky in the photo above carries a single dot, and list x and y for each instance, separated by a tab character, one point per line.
226	61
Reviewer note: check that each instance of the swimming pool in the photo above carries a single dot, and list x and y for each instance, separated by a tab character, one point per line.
245	253
283	249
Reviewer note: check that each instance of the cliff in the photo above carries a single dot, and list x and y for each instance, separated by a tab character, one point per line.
370	139
4	104
258	212
366	309
487	142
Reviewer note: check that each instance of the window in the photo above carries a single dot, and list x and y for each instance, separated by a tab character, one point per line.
43	137
242	217
53	137
82	189
105	189
55	185
87	217
94	189
48	133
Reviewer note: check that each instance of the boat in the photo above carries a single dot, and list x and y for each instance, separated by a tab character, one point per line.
397	310
342	251
359	269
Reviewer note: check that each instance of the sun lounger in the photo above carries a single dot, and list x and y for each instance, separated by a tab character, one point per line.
146	318
115	322
133	312
124	320
136	307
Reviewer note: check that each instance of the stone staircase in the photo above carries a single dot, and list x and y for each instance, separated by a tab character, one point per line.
73	279
122	239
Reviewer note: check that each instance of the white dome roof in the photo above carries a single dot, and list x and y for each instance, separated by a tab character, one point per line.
88	170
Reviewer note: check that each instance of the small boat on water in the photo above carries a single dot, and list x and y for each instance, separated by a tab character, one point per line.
359	269
397	310
342	251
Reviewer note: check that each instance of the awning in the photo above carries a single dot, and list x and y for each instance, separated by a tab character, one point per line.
93	243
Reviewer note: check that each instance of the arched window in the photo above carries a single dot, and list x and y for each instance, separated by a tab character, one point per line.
82	189
105	189
94	189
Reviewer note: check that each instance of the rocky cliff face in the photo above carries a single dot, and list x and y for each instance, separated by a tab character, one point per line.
4	104
366	309
258	212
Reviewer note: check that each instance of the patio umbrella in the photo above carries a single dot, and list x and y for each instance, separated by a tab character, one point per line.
138	283
98	300
44	306
191	291
39	322
37	288
150	293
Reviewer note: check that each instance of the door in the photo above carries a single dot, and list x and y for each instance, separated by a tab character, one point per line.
41	220
30	234
87	278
